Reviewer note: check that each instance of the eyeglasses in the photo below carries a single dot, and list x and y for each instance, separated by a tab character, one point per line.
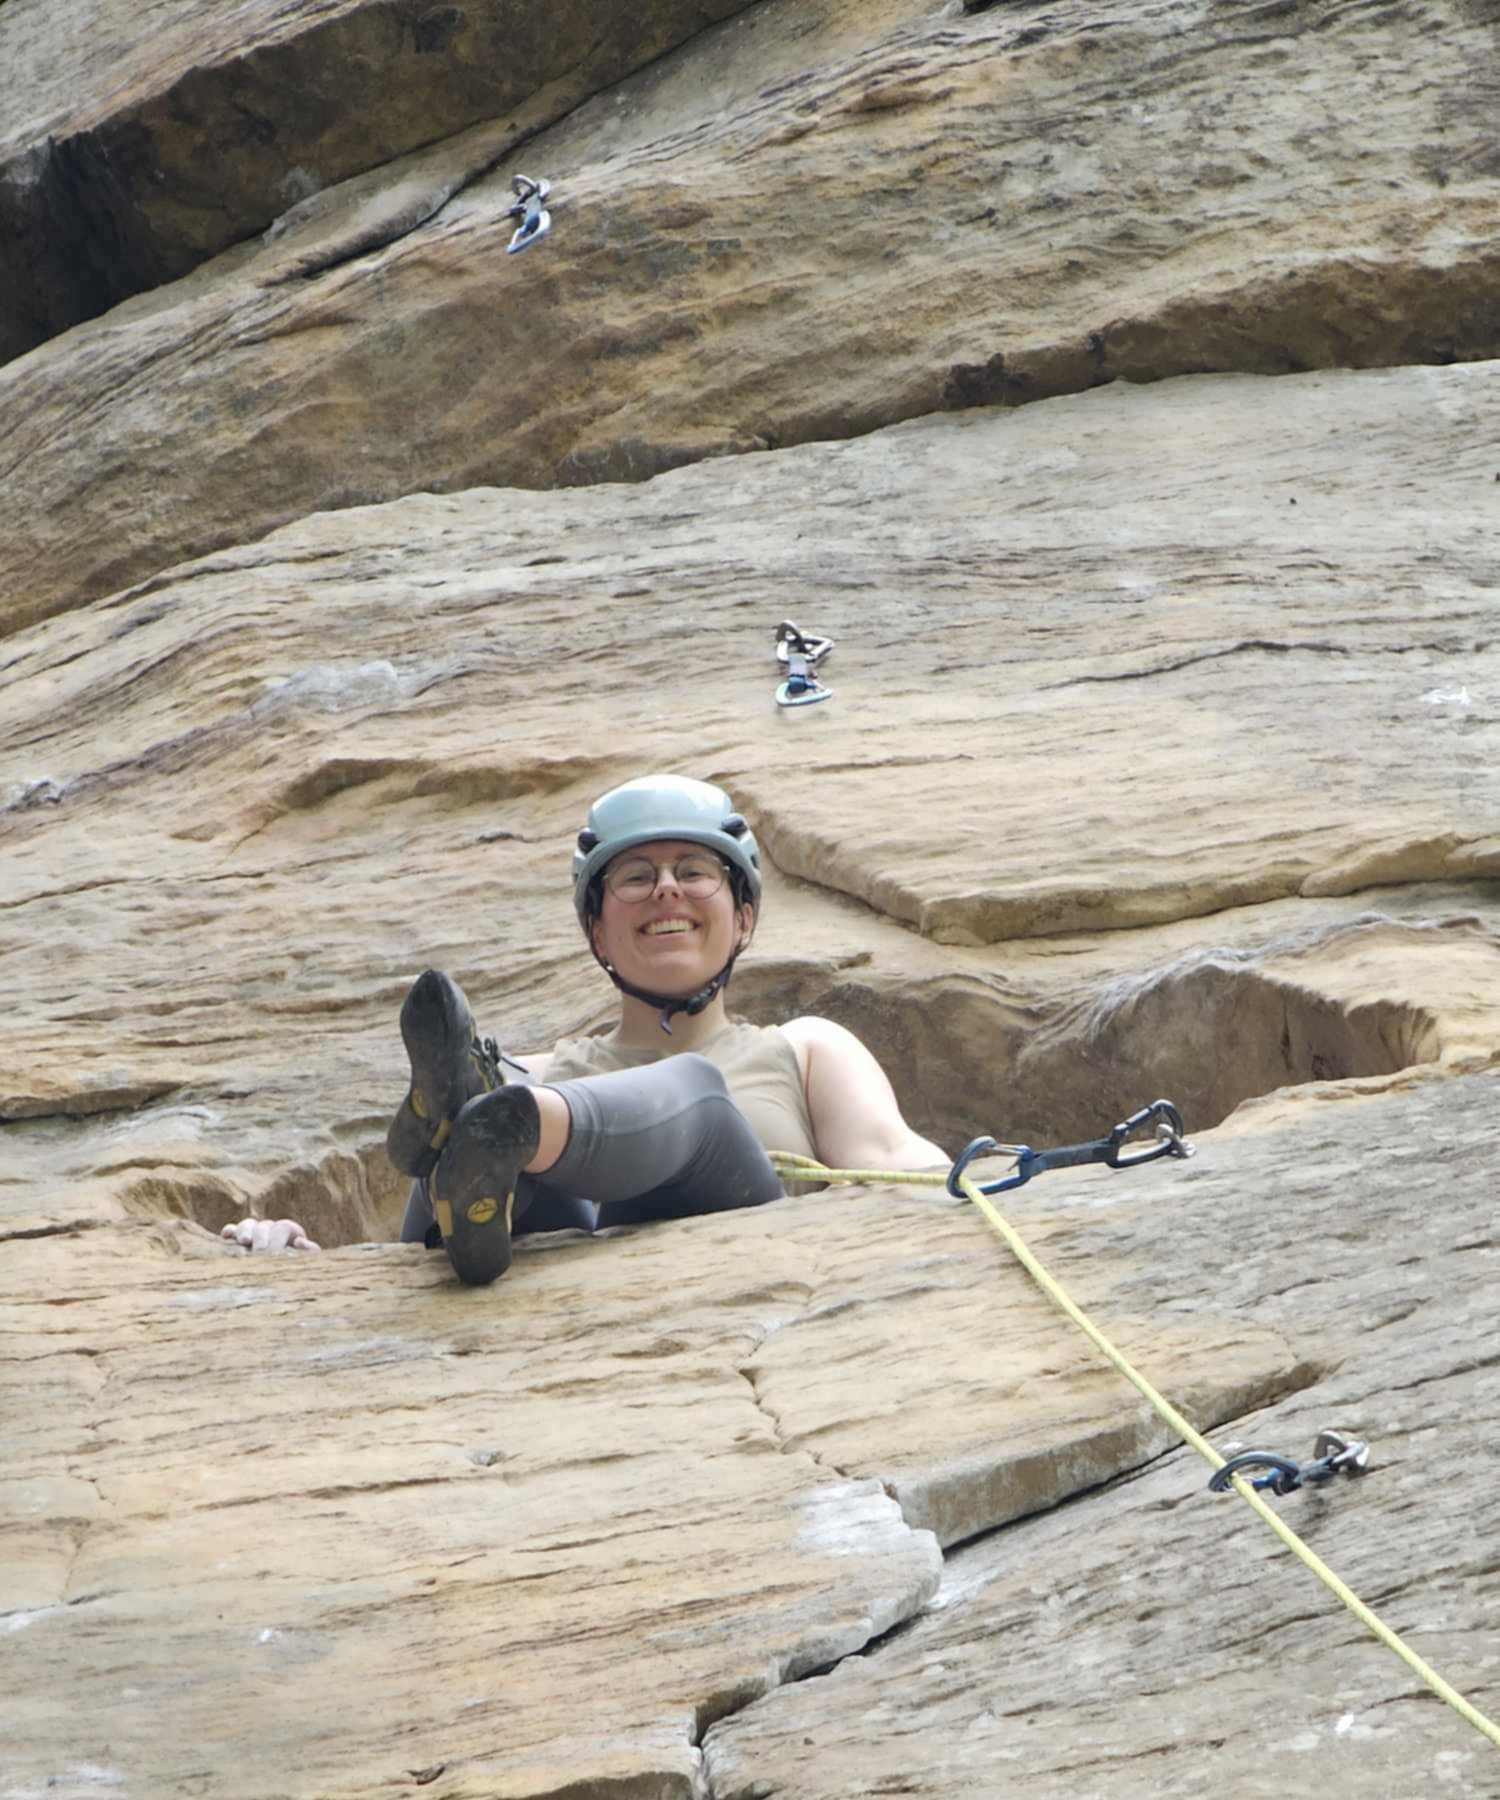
633	878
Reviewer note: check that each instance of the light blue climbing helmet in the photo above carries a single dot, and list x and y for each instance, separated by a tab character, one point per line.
649	809
654	807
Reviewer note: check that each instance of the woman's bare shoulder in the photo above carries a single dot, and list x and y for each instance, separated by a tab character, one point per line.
811	1033
811	1028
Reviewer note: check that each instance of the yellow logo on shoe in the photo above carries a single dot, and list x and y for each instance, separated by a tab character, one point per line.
482	1211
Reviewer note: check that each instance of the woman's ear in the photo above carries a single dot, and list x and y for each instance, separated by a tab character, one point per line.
747	926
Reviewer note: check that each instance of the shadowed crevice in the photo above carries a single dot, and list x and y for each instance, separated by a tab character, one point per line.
1207	1032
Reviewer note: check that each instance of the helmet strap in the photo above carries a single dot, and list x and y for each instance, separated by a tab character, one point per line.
669	1005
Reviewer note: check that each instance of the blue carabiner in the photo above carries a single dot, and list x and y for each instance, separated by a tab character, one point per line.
1107	1150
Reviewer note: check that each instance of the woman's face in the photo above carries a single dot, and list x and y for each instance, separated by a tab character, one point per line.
668	940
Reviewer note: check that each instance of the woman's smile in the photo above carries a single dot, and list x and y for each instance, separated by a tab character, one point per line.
667	918
674	926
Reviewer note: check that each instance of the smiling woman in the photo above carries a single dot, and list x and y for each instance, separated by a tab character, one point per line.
673	1112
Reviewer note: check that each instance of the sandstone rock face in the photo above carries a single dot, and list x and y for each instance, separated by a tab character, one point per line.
1156	1640
1099	732
1160	761
816	220
132	149
540	1558
566	1533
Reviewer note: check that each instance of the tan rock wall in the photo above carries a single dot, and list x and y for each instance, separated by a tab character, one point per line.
133	146
1161	760
1093	669
807	224
1156	1639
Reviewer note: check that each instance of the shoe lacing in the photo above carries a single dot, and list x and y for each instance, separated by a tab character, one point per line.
486	1055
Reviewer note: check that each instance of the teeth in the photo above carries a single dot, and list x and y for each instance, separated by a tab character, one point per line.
663	926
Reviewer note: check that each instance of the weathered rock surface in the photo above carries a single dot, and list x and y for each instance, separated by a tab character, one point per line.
815	220
1161	760
1073	681
545	1558
1063	702
1155	1639
537	1557
128	155
1136	779
344	1501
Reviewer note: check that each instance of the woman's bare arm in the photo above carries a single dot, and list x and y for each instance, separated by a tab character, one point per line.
856	1118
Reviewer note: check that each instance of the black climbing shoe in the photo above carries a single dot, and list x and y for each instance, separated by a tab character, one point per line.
473	1188
449	1065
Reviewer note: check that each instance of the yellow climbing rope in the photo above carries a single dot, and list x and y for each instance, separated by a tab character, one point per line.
805	1169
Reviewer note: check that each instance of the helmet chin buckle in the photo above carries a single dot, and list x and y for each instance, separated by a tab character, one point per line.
668	1004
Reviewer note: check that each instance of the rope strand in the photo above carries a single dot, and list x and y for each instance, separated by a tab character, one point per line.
804	1168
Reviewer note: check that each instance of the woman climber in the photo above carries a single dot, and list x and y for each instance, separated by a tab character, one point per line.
671	1113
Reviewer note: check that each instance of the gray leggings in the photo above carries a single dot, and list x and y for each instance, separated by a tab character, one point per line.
660	1142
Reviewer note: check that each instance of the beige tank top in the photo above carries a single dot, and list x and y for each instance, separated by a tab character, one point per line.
759	1067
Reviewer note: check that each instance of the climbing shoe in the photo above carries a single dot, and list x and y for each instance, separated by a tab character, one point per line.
449	1066
473	1188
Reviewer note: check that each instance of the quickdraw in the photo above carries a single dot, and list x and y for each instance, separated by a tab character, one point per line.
800	653
1107	1150
536	221
1333	1455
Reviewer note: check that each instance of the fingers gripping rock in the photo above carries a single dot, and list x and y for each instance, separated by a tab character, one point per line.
268	1234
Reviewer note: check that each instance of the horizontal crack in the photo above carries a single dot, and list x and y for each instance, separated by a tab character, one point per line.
375	235
1466	1366
1267	646
17	1111
336	1491
74	1229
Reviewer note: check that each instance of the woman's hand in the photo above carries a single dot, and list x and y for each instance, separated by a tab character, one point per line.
268	1234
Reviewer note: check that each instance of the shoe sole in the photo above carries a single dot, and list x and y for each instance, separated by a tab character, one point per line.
437	1029
474	1191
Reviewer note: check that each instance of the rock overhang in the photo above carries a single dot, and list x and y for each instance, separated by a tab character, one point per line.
863	214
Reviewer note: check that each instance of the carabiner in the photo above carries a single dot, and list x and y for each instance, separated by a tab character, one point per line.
1027	1160
801	687
1333	1455
790	639
1168	1130
1285	1476
536	221
801	653
980	1146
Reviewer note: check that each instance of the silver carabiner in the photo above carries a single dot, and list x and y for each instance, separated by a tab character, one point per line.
790	641
801	653
1351	1456
536	221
